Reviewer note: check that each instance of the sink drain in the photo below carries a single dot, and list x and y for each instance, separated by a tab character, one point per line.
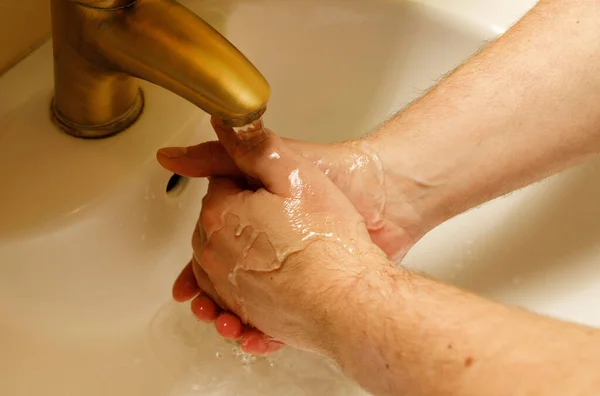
175	184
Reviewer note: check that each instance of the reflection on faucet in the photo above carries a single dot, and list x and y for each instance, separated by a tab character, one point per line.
101	48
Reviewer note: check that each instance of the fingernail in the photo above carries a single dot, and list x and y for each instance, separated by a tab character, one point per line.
274	346
260	347
173	152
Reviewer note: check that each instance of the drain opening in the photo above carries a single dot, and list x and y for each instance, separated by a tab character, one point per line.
175	184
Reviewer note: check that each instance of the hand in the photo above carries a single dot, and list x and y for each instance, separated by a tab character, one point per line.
354	167
272	256
356	170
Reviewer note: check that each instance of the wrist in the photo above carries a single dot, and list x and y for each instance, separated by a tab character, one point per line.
363	318
416	201
334	291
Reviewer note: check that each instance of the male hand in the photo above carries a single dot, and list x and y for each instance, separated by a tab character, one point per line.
274	255
354	167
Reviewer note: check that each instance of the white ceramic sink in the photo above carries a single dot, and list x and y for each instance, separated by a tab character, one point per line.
90	242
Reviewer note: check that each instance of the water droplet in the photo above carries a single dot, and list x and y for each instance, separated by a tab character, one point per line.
218	354
252	133
238	230
236	352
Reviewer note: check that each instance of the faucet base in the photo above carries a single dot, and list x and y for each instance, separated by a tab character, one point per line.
100	131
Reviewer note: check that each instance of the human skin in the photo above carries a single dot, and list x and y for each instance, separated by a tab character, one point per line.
523	109
395	232
339	296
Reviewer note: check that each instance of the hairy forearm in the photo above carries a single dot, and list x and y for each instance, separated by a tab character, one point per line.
524	108
410	335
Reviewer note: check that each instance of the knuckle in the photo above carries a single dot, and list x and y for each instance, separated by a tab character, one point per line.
198	236
209	218
210	214
258	147
206	258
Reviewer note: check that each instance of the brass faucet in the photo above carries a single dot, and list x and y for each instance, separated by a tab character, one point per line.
102	48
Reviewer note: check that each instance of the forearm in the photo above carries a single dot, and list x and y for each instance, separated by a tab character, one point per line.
403	334
526	107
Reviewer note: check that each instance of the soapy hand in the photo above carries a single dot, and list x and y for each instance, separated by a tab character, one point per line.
269	255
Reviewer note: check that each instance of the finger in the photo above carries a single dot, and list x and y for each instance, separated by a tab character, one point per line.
204	309
222	186
206	285
229	326
220	193
267	159
257	343
200	276
185	286
204	160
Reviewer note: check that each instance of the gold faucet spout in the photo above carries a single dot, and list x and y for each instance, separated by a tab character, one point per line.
103	47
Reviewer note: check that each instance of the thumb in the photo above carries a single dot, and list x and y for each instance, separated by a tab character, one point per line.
261	154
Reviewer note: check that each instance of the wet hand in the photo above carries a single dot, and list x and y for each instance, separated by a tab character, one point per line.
269	255
228	325
354	167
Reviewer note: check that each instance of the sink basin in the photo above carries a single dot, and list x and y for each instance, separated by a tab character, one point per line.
91	240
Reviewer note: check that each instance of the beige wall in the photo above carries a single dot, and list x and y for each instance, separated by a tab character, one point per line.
23	25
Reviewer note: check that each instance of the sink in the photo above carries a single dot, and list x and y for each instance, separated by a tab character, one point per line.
91	240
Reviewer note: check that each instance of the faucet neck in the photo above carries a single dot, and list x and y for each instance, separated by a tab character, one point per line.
100	53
